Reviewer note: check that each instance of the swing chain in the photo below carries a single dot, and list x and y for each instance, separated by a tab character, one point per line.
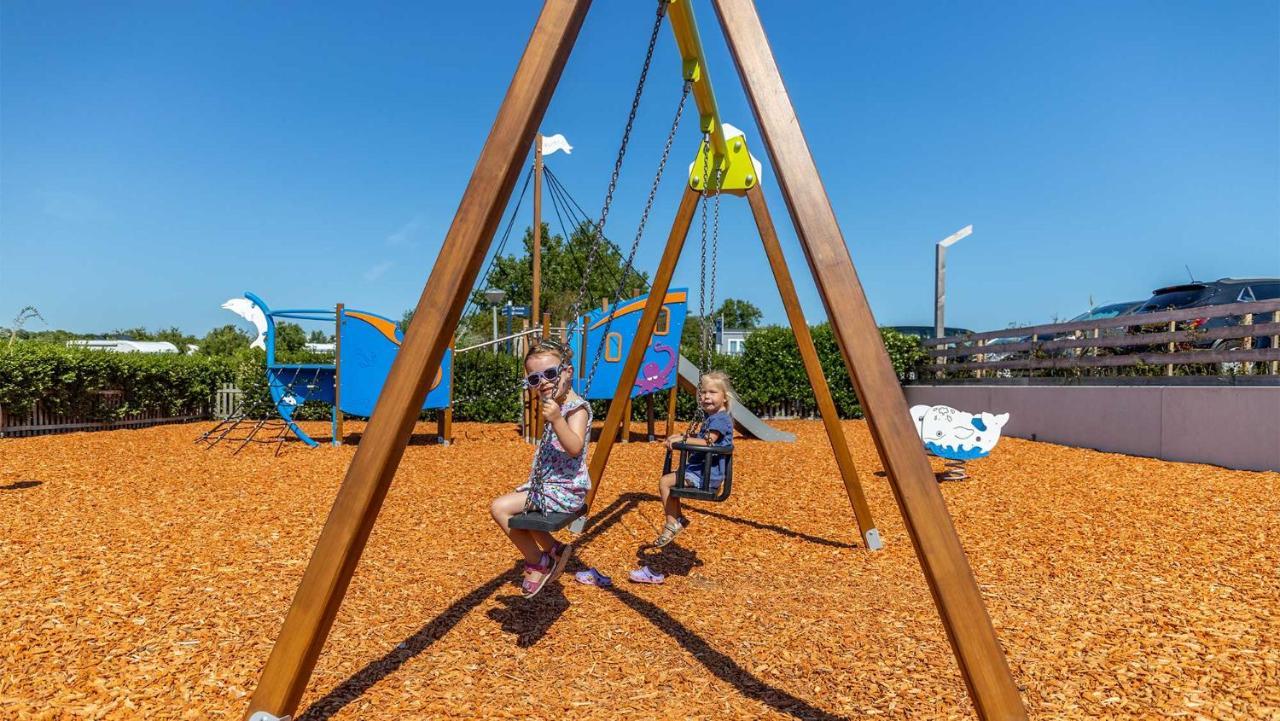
598	231
704	342
535	478
644	220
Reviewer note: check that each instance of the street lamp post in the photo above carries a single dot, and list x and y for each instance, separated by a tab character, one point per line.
940	282
495	296
940	278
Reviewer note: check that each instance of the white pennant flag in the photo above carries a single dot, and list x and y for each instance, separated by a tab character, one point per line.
552	143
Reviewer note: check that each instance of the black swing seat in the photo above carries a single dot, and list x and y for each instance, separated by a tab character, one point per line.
549	522
701	493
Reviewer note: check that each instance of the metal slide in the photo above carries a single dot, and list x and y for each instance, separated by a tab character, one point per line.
746	421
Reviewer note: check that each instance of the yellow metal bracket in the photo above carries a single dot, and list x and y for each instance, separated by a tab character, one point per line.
723	148
739	171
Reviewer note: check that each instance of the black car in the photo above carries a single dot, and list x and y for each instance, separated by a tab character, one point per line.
1219	292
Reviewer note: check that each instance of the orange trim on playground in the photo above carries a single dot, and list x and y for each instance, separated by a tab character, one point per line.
388	329
635	305
383	325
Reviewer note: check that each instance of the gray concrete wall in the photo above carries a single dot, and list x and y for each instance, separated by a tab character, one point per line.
1234	427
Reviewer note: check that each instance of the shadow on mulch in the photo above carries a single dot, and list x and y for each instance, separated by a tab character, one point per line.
720	664
530	628
514	620
771	527
670	560
353	439
939	477
19	485
530	619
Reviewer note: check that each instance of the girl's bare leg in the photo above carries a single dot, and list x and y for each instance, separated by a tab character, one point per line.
670	504
545	540
502	509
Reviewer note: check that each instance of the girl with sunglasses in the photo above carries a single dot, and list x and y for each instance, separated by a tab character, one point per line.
558	481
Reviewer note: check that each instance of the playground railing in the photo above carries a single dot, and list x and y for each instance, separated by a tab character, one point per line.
1241	339
38	420
514	337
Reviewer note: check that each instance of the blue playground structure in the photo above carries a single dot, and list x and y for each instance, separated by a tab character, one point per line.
366	345
661	366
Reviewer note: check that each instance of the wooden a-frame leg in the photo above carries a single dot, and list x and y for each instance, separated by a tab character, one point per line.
640	343
812	367
360	497
946	569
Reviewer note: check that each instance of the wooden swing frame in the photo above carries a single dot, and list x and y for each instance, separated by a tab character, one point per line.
359	499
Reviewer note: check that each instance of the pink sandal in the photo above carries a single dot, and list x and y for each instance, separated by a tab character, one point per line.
531	586
560	555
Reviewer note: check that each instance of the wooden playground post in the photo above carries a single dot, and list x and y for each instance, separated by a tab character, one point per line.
671	410
535	308
444	420
338	419
369	476
955	592
644	332
521	346
813	368
648	414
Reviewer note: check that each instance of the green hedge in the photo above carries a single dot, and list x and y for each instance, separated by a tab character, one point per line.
769	372
65	381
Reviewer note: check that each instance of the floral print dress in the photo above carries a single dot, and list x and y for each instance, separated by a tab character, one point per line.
558	482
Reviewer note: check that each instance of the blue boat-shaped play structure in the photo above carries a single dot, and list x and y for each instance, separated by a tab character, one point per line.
661	366
367	344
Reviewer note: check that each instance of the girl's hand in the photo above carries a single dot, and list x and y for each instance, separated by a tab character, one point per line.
550	410
678	438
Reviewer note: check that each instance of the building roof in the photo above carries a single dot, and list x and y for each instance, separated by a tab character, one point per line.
125	346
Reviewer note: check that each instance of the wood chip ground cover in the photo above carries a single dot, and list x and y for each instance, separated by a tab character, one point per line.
143	577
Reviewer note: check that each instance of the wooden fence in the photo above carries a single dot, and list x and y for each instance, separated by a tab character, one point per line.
1249	344
226	401
40	421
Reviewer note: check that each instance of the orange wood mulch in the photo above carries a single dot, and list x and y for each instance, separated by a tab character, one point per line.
144	577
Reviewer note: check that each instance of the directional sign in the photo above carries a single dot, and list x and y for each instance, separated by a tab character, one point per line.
515	311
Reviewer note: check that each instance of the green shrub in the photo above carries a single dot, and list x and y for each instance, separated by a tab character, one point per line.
65	380
68	381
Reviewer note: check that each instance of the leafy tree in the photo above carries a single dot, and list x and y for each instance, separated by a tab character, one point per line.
736	313
563	269
739	313
175	336
319	336
138	333
225	341
405	319
290	337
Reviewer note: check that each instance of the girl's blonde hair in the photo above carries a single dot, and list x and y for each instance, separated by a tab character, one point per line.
721	379
550	346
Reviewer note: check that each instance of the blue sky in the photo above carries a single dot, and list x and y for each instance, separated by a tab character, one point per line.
158	158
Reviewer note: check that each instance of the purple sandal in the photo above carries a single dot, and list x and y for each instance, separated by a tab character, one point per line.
530	586
592	577
645	575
